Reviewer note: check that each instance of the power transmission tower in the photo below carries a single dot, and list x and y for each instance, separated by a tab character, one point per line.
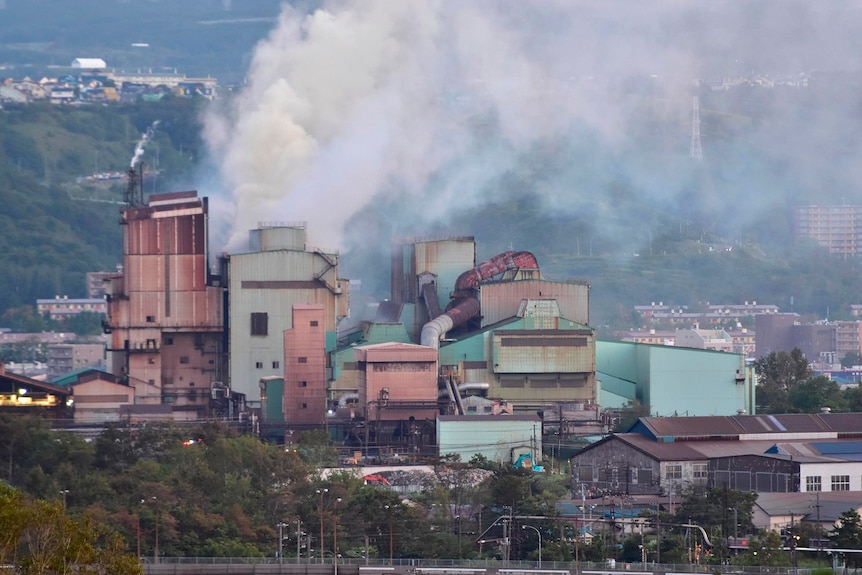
695	151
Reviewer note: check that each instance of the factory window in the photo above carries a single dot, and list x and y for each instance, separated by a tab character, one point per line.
151	318
258	364
700	470
840	483
184	359
303	384
169	341
812	483
259	323
673	472
275	365
314	323
304	406
302	360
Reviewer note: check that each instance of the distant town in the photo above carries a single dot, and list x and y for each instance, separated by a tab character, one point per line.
89	80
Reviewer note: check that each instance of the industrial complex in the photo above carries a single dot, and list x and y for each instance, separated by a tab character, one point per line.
267	338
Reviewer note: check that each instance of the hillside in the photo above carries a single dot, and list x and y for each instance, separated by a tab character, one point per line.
57	225
632	247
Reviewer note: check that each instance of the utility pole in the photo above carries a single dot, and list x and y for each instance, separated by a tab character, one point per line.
298	539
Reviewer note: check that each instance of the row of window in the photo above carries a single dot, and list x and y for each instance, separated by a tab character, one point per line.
277	364
839	483
698	471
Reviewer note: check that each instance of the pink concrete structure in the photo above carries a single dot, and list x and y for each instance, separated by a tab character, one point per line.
164	312
396	381
305	366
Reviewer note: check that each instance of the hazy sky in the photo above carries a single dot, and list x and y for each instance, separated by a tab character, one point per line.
381	101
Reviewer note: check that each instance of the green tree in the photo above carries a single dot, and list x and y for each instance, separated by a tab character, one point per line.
765	549
39	538
851	358
629	415
813	394
777	373
847	534
853	398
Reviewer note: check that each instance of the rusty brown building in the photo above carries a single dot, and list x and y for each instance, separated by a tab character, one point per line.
165	309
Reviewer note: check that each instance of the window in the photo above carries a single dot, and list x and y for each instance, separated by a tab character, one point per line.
673	472
812	483
151	318
169	341
304	406
259	323
184	359
275	365
303	384
302	360
840	483
258	364
700	470
314	323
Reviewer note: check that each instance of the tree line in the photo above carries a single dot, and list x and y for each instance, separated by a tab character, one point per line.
205	490
787	384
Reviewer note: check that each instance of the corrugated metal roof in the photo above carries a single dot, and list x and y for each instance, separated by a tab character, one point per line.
741	426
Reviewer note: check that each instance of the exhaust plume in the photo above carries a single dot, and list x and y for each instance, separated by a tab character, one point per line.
142	143
429	108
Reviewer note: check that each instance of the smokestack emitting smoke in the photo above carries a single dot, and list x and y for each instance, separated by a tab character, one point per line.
142	143
376	100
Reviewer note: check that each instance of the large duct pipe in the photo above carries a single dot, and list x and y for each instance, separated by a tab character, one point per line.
465	305
495	266
435	329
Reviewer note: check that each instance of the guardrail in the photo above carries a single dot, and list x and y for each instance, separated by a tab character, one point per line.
289	566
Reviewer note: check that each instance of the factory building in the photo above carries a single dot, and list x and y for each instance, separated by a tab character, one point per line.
495	332
265	286
673	381
165	309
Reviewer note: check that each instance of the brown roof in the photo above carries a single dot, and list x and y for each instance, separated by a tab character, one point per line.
750	426
703	450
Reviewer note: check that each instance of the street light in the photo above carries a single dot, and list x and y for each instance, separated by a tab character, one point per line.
389	509
320	509
335	536
64	492
298	539
156	548
458	517
281	525
539	533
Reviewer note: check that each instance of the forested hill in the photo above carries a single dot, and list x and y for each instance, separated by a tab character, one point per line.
57	223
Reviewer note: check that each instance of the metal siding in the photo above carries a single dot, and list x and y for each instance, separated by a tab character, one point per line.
501	300
447	259
538	359
492	437
273	266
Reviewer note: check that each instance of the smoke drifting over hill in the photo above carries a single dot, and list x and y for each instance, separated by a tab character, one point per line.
407	114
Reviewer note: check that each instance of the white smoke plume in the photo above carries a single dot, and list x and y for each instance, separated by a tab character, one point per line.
364	101
142	143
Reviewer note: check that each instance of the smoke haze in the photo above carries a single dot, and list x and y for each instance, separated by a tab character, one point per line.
392	118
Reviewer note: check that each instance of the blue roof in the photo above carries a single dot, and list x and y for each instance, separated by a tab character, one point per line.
71	377
838	448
